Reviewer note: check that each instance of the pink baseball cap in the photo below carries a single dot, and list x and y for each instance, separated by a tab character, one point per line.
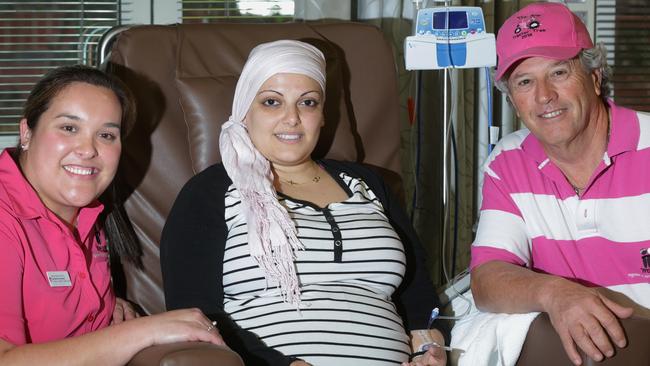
541	29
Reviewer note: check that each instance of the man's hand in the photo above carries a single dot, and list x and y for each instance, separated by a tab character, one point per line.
583	317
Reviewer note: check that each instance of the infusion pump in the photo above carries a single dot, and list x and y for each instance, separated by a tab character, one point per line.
450	37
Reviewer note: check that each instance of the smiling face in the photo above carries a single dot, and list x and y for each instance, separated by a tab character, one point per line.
557	100
285	119
72	154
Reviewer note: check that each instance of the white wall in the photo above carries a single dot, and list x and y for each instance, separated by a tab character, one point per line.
8	141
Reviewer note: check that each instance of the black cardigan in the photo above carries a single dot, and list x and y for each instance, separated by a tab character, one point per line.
192	249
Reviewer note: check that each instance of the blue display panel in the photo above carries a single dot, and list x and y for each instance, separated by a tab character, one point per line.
457	20
450	23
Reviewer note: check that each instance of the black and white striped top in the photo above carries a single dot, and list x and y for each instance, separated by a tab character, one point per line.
352	263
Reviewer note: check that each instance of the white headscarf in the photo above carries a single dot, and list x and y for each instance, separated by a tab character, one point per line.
271	232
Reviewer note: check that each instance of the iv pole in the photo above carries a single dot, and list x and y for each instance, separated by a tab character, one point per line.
445	158
469	46
445	167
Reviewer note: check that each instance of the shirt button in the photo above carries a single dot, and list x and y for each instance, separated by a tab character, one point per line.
90	318
335	229
82	275
337	243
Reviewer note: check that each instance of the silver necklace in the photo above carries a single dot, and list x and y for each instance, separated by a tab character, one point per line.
576	189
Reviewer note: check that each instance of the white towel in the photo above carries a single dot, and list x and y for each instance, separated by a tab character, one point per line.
488	339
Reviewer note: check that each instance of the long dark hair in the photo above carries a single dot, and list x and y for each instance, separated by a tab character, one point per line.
122	240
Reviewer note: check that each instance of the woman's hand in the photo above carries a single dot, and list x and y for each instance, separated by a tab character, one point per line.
429	340
123	311
181	326
300	363
116	344
434	356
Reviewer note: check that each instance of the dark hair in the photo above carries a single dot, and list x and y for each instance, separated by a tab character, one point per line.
122	240
55	81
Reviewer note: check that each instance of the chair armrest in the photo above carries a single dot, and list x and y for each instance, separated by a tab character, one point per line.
544	347
186	353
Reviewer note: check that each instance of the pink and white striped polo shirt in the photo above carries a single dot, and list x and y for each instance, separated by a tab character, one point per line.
531	216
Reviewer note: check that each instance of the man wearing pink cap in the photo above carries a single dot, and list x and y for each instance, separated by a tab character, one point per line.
566	202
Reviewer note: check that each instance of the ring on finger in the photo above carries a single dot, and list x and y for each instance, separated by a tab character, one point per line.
212	326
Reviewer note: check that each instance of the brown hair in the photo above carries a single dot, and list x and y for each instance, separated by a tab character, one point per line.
55	81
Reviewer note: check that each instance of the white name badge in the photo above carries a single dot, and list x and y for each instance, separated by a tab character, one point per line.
59	279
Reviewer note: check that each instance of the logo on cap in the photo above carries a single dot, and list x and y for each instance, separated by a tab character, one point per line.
547	30
527	26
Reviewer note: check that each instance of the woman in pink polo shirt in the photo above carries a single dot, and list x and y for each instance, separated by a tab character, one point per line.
56	301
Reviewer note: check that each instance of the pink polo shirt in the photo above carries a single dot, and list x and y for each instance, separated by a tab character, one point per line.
54	283
531	215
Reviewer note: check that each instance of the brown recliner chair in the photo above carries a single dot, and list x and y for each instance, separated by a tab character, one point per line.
183	78
543	346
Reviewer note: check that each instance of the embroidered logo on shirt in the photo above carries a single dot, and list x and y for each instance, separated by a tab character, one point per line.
645	258
101	250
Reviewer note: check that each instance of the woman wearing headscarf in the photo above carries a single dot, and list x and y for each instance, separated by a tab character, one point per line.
300	261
